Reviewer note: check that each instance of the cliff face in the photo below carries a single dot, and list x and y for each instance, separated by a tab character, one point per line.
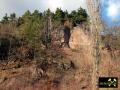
108	62
79	38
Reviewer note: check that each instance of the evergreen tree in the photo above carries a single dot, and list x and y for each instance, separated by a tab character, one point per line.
66	15
82	15
59	14
37	15
78	16
13	17
5	19
26	16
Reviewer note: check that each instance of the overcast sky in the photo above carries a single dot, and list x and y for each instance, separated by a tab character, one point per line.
20	6
110	12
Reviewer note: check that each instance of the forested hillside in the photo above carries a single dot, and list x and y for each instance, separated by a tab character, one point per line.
30	31
32	56
30	48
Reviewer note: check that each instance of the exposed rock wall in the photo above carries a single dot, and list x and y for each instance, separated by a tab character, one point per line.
78	38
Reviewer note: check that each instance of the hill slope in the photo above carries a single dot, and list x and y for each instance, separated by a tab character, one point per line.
80	57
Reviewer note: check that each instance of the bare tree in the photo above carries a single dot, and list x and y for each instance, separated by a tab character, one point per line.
94	9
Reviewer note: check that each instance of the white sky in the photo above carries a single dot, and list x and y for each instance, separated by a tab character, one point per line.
113	8
20	6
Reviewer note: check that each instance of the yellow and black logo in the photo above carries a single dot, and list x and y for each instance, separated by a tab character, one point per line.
108	82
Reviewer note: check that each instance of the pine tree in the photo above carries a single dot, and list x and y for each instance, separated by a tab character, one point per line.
5	19
59	14
13	17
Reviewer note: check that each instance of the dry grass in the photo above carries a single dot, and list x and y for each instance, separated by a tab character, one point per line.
21	75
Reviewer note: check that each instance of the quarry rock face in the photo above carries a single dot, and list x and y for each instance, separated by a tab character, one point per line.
78	38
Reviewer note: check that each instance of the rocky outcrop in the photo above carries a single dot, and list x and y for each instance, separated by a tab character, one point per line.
78	38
